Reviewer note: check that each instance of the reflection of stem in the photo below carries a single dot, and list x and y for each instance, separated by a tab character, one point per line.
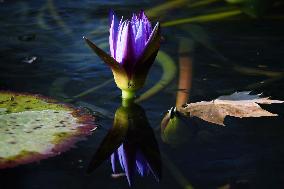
169	72
274	17
24	10
182	181
156	11
203	18
185	80
57	17
40	18
255	71
161	9
57	87
106	113
92	89
201	3
250	70
185	72
263	83
99	31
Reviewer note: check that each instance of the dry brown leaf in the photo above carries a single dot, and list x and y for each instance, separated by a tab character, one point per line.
238	104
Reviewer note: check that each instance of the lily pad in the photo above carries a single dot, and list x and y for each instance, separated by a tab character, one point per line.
33	127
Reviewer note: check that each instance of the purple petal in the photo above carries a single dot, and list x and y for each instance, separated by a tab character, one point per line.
141	28
128	165
125	49
153	33
121	156
147	25
140	40
122	39
113	30
134	23
129	39
141	163
126	155
114	158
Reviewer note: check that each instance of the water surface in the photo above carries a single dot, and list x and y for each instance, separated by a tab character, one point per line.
226	56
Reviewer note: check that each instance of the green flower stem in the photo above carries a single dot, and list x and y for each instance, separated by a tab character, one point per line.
127	102
128	94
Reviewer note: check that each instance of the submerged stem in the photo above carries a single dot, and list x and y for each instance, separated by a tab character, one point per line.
203	18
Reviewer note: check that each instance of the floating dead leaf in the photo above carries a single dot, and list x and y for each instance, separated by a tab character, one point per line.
238	104
33	128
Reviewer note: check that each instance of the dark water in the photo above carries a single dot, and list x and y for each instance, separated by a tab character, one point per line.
227	56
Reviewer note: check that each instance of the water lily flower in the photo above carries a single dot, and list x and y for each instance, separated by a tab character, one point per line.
131	144
133	48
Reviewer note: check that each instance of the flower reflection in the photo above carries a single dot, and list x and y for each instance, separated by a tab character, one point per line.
131	144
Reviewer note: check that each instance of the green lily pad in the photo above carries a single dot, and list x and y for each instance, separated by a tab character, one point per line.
33	127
